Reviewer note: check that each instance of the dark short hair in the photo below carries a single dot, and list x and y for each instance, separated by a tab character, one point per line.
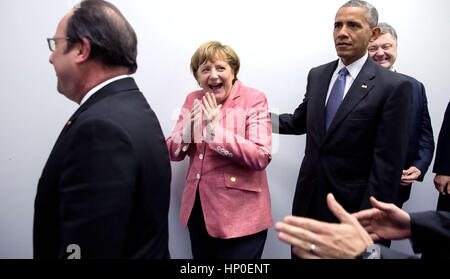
372	13
113	40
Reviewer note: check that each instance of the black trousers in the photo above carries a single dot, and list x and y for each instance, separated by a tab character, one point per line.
206	247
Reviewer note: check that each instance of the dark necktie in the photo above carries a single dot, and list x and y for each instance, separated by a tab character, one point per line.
335	98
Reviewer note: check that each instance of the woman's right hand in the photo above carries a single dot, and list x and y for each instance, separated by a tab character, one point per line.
195	115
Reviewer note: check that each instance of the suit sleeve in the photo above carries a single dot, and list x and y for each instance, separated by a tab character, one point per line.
96	189
430	231
292	124
391	254
426	140
442	161
390	145
250	146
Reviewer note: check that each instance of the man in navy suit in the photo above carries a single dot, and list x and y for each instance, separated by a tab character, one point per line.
105	189
421	143
354	149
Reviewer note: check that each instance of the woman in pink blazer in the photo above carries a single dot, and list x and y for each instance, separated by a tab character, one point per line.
225	130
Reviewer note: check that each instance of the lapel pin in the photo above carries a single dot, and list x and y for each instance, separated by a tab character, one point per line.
364	86
69	122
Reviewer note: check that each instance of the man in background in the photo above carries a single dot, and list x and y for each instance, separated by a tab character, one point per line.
421	143
104	191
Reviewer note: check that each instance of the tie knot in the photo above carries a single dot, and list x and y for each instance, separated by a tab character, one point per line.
343	72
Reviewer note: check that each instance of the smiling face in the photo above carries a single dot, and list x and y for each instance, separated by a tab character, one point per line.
216	77
352	33
384	50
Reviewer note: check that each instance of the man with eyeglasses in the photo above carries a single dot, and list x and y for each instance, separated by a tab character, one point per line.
105	189
421	142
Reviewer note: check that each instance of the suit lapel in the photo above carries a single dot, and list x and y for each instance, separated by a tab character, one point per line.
318	100
363	84
232	100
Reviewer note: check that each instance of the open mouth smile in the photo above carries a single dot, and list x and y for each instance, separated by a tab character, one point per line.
216	86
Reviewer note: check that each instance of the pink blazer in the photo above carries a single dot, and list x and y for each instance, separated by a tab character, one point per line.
230	169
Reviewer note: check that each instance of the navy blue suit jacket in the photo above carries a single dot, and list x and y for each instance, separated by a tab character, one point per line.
421	141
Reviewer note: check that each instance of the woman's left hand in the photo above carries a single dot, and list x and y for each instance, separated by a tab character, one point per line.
211	113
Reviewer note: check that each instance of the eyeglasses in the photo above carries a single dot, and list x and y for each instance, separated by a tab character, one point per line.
52	42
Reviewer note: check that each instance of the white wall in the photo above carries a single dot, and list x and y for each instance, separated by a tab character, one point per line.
277	41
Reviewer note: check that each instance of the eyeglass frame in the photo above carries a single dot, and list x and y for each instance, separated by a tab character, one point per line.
54	39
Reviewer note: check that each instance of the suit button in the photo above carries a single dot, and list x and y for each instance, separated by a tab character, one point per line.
200	156
198	176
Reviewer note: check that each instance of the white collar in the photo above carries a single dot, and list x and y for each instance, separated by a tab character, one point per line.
355	67
100	86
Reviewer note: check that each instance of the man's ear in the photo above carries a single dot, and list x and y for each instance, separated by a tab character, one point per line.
376	31
84	51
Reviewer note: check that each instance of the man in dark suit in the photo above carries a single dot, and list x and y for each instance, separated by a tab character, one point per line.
421	142
354	149
104	192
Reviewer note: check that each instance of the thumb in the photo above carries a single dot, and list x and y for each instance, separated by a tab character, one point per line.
338	210
380	205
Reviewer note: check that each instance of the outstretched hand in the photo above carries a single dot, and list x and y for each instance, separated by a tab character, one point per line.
385	221
315	239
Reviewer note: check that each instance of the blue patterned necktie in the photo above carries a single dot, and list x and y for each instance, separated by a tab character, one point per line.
335	98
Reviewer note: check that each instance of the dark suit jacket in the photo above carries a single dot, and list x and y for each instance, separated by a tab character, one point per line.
442	159
421	141
106	184
430	232
364	150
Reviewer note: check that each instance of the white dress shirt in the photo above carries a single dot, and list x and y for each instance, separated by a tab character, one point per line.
100	86
353	70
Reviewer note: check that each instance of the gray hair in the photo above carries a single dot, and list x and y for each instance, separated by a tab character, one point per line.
372	13
387	29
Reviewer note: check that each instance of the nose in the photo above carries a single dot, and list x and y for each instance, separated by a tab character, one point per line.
214	74
379	52
50	59
342	32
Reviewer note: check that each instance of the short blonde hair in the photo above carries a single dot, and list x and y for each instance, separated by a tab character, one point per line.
211	51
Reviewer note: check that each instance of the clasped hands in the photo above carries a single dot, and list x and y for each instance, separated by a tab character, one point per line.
211	114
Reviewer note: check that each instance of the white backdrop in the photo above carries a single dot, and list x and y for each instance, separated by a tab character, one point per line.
277	41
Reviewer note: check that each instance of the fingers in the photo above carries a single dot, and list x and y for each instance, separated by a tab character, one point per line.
209	101
441	183
304	254
445	190
294	235
307	224
338	210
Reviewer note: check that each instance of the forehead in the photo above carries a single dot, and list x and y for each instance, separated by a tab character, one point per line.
356	14
62	25
215	59
385	39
